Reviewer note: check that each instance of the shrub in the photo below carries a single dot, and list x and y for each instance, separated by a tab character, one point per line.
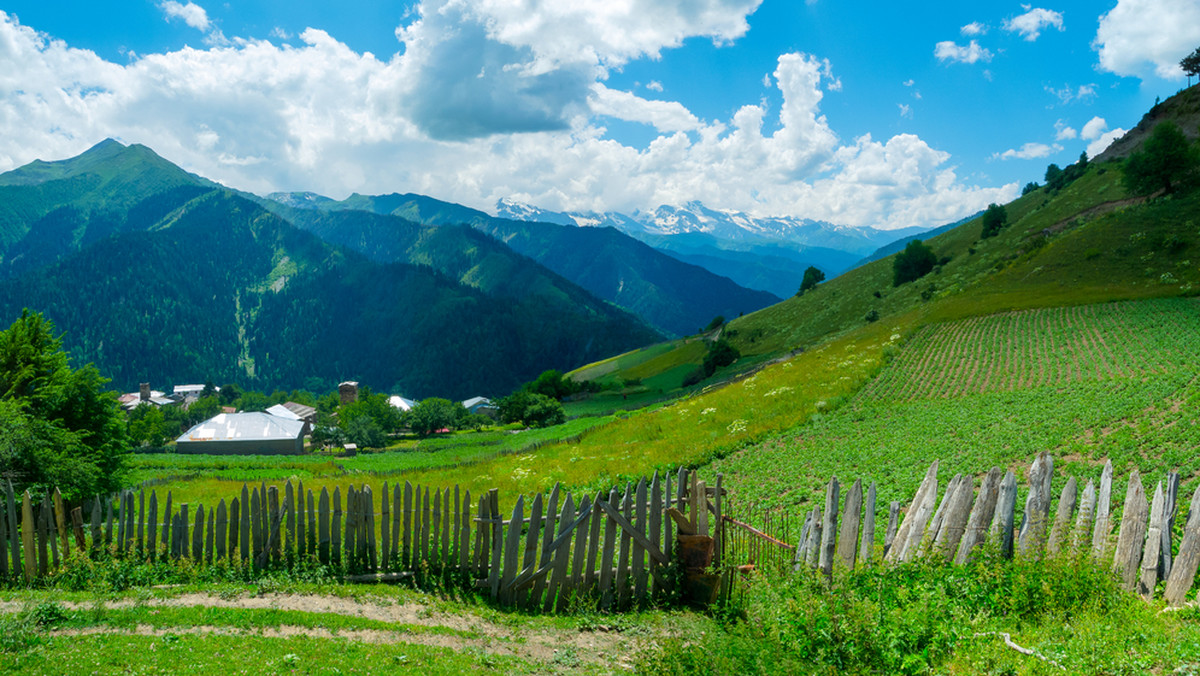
812	277
995	218
916	261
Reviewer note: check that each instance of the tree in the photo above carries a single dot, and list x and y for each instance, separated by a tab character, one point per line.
716	323
1029	187
364	432
1165	160
812	277
434	414
916	261
1191	65
995	218
58	425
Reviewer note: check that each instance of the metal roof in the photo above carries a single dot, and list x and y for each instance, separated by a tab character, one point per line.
244	426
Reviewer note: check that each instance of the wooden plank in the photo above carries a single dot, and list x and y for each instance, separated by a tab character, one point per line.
264	528
323	536
976	529
435	553
183	530
847	541
547	537
512	550
954	521
423	525
656	530
301	530
397	522
335	529
522	599
799	558
97	536
256	535
1170	507
464	533
275	517
1151	555
479	558
557	591
372	543
578	557
38	524
1063	517
1132	532
638	563
606	557
108	521
141	528
866	549
812	550
351	528
495	543
1031	539
310	509
50	532
14	535
221	530
235	528
198	535
590	571
1002	518
385	532
939	515
77	523
122	508
1183	568
889	536
829	528
918	511
1103	525
152	525
1082	532
406	528
243	525
455	525
623	551
718	532
60	519
289	523
446	529
130	523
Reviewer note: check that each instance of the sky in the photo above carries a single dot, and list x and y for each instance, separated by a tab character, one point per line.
871	113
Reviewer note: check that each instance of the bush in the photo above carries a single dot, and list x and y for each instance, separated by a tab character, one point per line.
1166	159
916	261
812	277
1029	187
995	218
872	316
532	409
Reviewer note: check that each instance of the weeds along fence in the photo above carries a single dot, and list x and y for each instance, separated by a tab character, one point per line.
1142	554
614	547
661	538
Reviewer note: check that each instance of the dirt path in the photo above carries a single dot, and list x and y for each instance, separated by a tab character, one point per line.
540	644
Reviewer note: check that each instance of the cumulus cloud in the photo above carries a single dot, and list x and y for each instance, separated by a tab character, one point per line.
1139	37
948	50
191	14
974	28
1094	128
1067	94
319	116
654	86
905	111
1103	141
1030	151
1064	132
1031	23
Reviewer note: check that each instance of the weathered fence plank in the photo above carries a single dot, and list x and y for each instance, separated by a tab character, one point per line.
866	550
556	590
1081	534
1062	518
911	531
606	556
1002	519
222	526
1132	532
1183	569
512	544
1151	554
1103	524
1031	539
976	530
829	528
847	541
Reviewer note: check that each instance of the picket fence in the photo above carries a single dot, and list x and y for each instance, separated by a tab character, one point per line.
612	547
616	549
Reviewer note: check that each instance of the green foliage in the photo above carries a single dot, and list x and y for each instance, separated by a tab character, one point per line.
1030	187
902	619
812	277
58	427
716	323
995	218
552	384
532	409
1191	63
433	414
1166	160
375	407
364	432
916	261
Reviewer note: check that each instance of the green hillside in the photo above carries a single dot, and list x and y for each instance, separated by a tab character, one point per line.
223	290
671	295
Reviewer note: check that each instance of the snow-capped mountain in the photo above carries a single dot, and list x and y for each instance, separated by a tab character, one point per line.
732	226
300	200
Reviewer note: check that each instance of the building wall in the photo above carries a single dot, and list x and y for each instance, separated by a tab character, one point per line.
244	447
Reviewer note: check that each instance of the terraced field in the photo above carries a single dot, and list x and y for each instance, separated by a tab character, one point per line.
1118	381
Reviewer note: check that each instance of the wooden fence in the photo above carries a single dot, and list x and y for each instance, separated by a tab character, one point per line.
616	549
613	547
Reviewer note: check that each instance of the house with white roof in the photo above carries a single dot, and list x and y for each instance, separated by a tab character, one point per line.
257	433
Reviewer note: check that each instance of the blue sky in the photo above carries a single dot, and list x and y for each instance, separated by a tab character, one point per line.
871	113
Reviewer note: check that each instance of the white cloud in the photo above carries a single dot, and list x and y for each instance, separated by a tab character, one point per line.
1063	132
665	116
1030	151
1094	128
905	111
320	116
191	14
1138	37
974	28
1031	23
654	86
1103	141
909	83
1067	94
970	53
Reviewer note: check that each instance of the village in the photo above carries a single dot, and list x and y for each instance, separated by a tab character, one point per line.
288	428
